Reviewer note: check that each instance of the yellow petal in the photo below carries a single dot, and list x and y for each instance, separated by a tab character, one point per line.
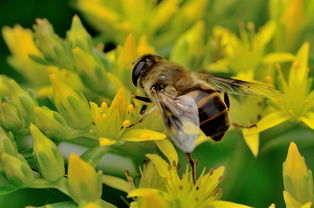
167	148
120	102
266	32
277	57
138	135
128	53
106	142
251	138
299	68
307	205
160	164
308	119
272	206
225	204
271	120
150	197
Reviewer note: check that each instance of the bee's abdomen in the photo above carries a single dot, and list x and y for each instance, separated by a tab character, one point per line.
213	113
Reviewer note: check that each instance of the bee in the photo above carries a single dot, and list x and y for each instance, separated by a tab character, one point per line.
190	102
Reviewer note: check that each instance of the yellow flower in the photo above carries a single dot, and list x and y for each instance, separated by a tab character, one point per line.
241	54
179	190
189	49
162	22
298	181
292	18
21	44
126	54
296	103
111	122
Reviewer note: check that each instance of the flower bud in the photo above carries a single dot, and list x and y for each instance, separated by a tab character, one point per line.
94	73
10	118
23	101
17	170
20	42
4	86
51	123
71	104
84	184
78	36
47	155
54	49
7	143
298	181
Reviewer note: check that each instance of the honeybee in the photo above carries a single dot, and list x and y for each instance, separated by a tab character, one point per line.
190	101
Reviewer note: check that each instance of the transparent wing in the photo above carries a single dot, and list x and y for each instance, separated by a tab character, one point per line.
235	86
180	115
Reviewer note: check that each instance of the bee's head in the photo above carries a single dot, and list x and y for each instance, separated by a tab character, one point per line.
142	65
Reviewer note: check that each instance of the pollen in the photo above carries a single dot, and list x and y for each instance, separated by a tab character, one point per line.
65	73
91	205
307	101
126	123
103	116
144	136
296	64
268	78
104	106
103	141
131	107
290	111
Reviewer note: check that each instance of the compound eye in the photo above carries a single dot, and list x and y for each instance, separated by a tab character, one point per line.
137	71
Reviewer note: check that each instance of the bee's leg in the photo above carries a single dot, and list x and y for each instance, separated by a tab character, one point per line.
242	126
143	116
193	164
144	99
143	109
226	99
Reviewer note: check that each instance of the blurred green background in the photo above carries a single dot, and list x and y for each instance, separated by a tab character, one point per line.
252	181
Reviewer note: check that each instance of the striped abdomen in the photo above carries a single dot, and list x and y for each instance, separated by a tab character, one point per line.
213	113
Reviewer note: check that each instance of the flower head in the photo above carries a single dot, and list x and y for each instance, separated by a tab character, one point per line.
179	190
112	122
143	18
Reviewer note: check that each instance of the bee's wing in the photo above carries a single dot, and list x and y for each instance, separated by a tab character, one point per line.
180	115
235	86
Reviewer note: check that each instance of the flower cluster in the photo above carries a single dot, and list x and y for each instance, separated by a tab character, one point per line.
77	92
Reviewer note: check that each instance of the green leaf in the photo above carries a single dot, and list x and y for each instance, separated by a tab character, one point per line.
6	189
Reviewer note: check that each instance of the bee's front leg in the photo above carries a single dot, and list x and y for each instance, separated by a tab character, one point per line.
144	99
143	116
